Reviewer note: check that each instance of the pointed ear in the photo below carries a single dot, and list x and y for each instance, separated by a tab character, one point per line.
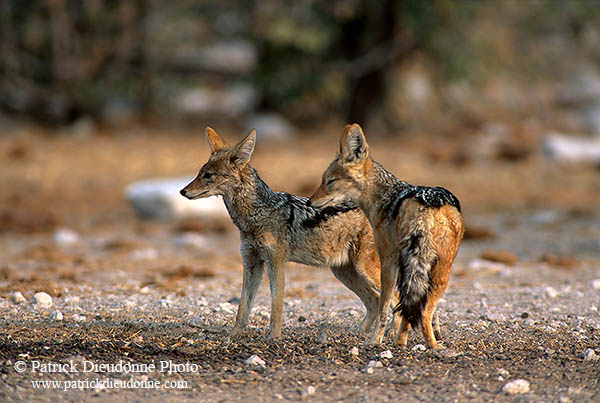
353	145
215	141
241	153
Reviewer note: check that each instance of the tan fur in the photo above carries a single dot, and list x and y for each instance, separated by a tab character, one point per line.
271	235
354	177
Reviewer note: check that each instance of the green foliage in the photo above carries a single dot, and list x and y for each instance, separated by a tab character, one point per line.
310	52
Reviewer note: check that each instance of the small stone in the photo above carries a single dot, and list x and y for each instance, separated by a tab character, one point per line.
78	318
144	254
505	257
518	386
369	370
65	236
56	315
354	352
145	290
301	318
386	354
42	300
550	292
524	315
18	298
374	364
232	300
590	355
504	372
226	307
419	347
596	284
278	396
496	317
195	322
311	390
255	360
192	240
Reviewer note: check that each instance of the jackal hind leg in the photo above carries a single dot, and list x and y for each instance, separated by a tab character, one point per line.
437	331
253	274
426	325
389	273
277	286
354	277
402	335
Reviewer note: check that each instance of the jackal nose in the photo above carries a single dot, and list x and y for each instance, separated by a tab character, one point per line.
182	192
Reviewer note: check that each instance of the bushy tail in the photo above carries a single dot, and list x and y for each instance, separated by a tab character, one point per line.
414	281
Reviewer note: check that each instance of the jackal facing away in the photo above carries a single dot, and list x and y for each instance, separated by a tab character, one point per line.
417	232
278	227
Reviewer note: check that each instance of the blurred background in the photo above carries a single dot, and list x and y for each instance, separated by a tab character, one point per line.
398	66
499	101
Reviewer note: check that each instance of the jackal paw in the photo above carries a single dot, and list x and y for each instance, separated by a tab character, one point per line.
373	340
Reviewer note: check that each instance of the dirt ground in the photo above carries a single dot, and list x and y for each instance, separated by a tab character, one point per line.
523	300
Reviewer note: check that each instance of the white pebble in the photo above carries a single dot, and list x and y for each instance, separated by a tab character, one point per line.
56	315
419	347
596	284
354	351
18	298
518	386
42	300
65	236
504	372
78	318
590	355
386	354
144	254
369	370
227	307
191	239
311	390
550	292
496	316
374	364
195	322
72	299
255	360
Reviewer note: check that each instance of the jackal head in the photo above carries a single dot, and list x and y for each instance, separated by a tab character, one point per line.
344	179
221	174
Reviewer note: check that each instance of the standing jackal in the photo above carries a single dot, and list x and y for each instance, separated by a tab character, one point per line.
277	227
417	232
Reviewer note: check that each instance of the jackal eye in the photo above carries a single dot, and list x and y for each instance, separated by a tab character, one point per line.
330	181
206	175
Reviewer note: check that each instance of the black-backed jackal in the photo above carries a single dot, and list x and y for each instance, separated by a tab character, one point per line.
417	232
277	227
